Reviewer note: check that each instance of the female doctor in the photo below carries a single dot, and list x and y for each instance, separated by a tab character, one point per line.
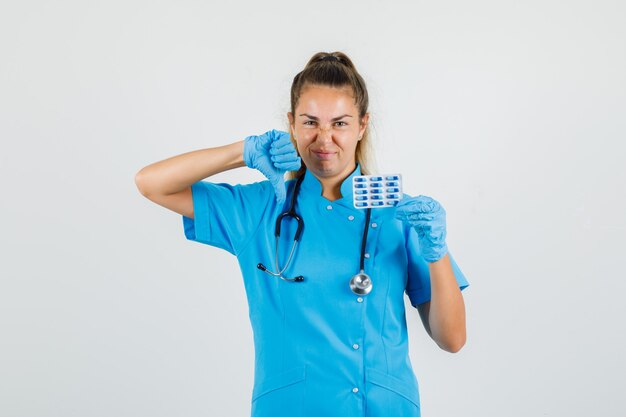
325	283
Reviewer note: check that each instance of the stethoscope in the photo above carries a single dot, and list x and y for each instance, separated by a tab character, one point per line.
360	283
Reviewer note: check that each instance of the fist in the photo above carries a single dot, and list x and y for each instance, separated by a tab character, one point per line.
428	218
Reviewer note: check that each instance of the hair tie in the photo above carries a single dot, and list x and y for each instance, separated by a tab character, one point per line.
330	58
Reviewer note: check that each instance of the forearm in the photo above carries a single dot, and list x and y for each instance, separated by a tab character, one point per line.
447	309
177	173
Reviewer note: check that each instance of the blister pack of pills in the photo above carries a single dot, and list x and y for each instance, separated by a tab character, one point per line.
376	191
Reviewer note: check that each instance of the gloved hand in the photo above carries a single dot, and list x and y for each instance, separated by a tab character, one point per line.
428	218
273	154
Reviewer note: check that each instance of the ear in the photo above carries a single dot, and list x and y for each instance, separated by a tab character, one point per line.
291	121
364	121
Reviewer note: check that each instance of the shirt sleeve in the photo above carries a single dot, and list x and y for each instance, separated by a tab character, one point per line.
418	284
225	215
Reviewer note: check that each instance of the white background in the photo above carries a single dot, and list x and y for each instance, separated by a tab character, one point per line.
509	113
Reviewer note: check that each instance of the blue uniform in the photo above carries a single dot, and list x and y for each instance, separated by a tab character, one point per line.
320	349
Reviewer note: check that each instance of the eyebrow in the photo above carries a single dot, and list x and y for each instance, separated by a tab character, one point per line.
333	119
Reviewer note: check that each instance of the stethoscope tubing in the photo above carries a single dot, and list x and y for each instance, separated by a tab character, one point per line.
360	283
289	213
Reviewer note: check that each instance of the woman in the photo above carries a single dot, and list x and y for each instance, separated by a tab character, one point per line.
323	347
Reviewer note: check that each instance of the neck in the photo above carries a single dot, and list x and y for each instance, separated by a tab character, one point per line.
331	190
331	187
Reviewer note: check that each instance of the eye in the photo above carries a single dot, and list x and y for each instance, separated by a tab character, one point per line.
312	121
344	123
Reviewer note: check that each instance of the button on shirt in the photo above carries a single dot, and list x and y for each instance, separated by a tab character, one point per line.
321	350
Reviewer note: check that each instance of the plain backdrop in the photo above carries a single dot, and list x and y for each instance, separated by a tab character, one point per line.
511	114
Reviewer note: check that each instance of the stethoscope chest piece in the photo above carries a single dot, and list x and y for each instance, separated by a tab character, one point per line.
361	284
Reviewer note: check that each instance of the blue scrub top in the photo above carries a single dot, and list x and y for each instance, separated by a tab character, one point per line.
320	349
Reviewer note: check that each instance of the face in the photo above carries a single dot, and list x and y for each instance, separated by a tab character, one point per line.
326	129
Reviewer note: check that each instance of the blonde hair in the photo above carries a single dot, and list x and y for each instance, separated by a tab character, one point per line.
338	73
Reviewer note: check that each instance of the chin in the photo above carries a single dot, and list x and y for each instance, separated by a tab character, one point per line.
325	168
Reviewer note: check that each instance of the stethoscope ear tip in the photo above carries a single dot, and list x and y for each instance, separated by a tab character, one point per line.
299	278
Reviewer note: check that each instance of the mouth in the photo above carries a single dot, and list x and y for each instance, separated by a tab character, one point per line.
324	155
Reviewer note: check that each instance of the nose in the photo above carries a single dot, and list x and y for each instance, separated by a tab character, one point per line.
324	134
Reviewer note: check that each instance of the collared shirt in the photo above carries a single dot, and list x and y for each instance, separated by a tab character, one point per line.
320	349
